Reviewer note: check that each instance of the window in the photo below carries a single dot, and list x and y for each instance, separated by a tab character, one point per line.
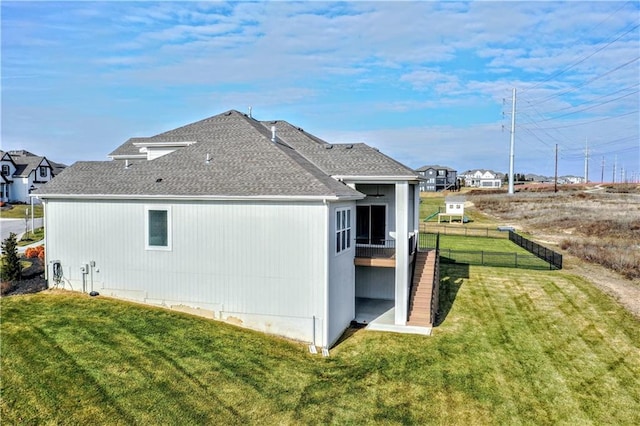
158	228
43	171
343	230
5	170
440	172
371	224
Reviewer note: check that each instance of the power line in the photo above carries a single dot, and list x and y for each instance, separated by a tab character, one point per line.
585	57
591	107
543	100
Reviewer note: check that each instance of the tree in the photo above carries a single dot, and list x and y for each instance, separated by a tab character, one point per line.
11	269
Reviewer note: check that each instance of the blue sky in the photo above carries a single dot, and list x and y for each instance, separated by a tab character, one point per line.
425	82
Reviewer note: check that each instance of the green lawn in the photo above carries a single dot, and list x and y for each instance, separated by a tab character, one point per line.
19	211
32	237
512	347
460	242
430	203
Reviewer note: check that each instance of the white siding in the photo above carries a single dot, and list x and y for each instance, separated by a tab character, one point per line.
375	283
341	278
261	265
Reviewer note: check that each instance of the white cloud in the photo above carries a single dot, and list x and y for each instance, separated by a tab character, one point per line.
377	65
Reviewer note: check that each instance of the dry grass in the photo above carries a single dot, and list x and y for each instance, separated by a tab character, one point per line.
601	226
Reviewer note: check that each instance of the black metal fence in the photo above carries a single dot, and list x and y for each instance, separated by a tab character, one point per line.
551	257
445	229
490	258
435	285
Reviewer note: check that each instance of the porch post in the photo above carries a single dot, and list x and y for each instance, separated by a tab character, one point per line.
416	209
402	252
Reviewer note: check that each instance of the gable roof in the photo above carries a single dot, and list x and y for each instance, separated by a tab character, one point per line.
435	167
25	162
243	161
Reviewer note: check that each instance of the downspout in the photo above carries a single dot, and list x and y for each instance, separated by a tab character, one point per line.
325	337
46	238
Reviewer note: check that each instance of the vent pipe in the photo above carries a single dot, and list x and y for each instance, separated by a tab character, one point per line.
126	164
273	133
208	159
250	108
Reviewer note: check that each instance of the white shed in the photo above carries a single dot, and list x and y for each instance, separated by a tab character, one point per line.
454	207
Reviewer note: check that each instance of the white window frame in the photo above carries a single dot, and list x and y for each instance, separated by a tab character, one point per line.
147	246
343	230
42	171
6	170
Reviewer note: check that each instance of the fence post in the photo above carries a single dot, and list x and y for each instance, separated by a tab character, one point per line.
516	255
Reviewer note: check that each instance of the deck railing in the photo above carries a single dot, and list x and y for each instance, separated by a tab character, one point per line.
375	248
435	290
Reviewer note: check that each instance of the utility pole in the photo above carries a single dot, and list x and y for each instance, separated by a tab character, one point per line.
615	162
602	173
586	161
513	137
555	184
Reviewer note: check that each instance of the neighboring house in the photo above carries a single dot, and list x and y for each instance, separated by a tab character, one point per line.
481	178
570	179
23	172
438	178
254	222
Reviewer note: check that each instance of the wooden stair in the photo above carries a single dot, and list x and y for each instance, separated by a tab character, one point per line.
421	291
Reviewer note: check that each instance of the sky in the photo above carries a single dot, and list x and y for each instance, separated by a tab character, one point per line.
424	82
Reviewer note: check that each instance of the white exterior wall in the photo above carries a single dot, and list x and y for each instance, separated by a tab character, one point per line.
260	265
342	277
375	283
402	252
20	189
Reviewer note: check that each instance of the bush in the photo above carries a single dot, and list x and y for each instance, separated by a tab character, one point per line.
33	252
11	269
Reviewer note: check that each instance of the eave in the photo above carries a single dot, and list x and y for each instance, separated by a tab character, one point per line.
324	198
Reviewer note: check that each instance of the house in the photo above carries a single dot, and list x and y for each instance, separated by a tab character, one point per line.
438	178
22	172
481	178
258	223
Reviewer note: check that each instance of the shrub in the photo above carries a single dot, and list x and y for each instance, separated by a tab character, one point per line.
32	252
11	269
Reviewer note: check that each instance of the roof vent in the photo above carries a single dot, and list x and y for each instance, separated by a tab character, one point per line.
328	146
273	133
208	159
158	180
349	146
126	164
250	108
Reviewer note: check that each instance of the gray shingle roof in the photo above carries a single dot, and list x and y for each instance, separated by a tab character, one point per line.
244	162
26	162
